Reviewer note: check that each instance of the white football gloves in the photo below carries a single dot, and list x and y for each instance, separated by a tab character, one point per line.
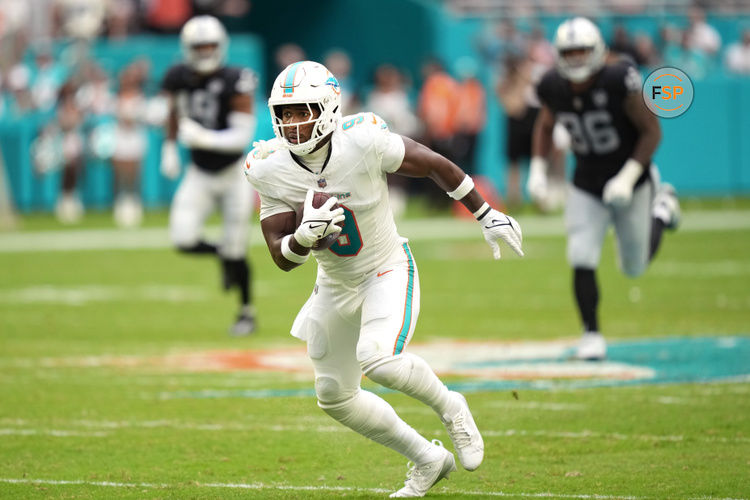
536	184
618	191
170	160
498	226
317	223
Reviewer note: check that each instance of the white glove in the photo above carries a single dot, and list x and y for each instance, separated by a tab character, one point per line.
193	134
498	226
170	160
618	191
536	184
317	223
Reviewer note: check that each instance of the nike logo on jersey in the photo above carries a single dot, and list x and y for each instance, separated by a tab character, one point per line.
384	273
497	223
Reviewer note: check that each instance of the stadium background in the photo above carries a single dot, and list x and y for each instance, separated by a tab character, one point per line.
699	160
118	378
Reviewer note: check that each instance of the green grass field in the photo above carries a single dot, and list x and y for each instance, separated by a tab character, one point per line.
108	388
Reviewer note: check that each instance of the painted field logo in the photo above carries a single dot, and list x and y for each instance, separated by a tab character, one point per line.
668	92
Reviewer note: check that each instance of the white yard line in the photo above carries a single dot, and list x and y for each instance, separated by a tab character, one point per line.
28	427
50	432
286	487
414	229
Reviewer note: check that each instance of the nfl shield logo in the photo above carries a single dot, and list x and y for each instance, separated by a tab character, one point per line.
322	183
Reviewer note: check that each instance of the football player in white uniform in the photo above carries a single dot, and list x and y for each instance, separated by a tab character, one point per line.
211	112
364	306
614	136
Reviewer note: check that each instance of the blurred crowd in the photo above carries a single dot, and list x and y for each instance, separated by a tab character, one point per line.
85	111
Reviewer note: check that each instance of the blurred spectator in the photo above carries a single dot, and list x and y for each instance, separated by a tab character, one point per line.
79	19
438	110
46	79
15	16
622	44
339	63
521	105
93	95
646	49
539	49
501	39
689	59
286	54
470	115
167	16
737	57
69	208
438	107
221	8
129	144
389	100
702	36
121	18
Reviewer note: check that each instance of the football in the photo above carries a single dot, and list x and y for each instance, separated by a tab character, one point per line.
319	197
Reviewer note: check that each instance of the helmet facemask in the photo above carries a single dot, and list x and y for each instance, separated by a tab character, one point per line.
311	85
292	133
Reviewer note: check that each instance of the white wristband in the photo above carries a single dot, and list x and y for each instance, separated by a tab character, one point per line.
463	189
482	211
289	254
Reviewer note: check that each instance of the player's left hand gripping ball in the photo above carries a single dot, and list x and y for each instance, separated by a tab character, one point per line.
318	222
498	226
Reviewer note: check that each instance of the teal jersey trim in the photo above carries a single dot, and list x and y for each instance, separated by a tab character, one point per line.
408	305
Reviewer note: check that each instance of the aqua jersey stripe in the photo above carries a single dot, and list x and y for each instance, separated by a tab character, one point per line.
289	82
407	306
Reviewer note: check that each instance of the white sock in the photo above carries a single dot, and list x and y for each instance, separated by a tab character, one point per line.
412	375
375	419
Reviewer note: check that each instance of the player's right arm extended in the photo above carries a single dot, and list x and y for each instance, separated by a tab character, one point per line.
541	144
420	161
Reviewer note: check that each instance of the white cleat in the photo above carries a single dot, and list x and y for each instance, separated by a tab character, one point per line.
666	206
421	478
591	347
467	441
244	326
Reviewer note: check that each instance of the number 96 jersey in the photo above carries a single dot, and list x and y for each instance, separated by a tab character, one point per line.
602	135
362	152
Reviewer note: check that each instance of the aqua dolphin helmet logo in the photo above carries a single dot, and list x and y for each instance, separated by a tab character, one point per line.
334	83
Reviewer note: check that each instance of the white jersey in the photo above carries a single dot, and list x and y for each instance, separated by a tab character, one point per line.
362	151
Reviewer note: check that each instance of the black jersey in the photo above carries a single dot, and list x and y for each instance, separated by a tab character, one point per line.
207	99
602	136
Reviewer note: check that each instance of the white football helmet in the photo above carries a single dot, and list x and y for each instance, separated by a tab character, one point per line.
579	34
201	31
309	83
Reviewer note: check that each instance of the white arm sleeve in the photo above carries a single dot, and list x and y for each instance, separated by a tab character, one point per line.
237	136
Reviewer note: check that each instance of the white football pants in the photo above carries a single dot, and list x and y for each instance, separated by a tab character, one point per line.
199	194
587	219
